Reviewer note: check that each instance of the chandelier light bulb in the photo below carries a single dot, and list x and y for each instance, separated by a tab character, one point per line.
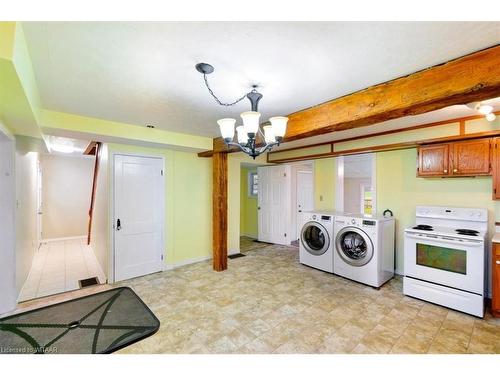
279	126
242	135
485	109
226	126
491	117
269	134
251	122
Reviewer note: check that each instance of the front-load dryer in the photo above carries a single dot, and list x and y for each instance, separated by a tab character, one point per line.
364	249
316	241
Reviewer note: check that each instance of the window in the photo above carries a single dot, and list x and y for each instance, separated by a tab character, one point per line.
253	184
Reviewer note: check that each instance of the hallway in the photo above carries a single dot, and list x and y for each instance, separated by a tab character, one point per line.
58	266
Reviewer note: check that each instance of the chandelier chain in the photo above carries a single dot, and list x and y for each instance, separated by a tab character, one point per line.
217	99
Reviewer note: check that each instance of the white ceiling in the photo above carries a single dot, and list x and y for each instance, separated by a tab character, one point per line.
143	73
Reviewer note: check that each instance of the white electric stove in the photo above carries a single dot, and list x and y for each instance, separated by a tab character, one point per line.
445	256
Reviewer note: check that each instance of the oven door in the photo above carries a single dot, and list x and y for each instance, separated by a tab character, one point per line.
450	262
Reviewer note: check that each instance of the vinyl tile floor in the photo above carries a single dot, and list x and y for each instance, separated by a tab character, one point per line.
267	302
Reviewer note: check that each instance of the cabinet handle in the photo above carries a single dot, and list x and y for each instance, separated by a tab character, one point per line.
497	261
455	170
445	171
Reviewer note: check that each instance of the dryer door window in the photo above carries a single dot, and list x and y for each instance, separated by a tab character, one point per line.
354	246
315	238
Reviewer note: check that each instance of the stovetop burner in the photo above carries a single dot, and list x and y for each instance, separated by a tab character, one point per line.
467	232
423	227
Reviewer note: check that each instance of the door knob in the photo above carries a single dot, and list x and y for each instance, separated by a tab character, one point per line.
118	224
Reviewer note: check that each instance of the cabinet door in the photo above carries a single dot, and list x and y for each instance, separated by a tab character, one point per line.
471	157
495	163
433	160
495	300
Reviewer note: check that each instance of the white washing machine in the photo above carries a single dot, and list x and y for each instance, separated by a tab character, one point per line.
316	240
364	249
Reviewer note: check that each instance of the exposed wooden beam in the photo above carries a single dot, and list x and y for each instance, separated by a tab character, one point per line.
219	211
470	78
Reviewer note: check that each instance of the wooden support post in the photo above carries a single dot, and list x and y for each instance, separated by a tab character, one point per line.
219	214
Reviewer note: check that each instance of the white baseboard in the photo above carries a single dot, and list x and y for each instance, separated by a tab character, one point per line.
63	238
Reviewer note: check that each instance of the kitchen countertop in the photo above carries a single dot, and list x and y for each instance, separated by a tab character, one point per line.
496	237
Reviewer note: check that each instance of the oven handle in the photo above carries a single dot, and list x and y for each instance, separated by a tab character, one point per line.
424	238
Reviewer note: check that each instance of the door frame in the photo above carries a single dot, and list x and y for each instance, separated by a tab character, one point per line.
8	227
111	218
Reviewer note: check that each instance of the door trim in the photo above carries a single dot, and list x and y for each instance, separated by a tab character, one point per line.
111	217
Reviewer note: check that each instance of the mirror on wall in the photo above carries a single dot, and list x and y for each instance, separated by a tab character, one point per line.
356	184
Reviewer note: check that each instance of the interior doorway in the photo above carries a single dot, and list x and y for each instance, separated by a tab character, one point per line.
61	194
356	184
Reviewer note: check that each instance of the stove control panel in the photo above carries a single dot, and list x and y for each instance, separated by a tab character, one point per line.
452	213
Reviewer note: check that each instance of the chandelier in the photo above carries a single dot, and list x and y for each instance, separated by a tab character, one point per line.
272	132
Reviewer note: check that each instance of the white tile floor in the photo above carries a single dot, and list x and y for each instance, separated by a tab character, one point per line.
58	266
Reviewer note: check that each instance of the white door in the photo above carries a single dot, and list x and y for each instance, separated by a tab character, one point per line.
274	203
305	196
138	216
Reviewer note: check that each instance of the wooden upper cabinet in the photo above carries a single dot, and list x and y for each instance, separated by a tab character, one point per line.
470	158
495	164
433	160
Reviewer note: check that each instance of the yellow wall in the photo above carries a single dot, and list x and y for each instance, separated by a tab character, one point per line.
325	177
248	206
188	202
7	38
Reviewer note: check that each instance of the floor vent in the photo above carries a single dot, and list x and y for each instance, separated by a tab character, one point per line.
88	282
238	255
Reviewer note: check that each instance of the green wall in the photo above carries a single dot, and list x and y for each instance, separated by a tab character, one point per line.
248	218
325	177
399	189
